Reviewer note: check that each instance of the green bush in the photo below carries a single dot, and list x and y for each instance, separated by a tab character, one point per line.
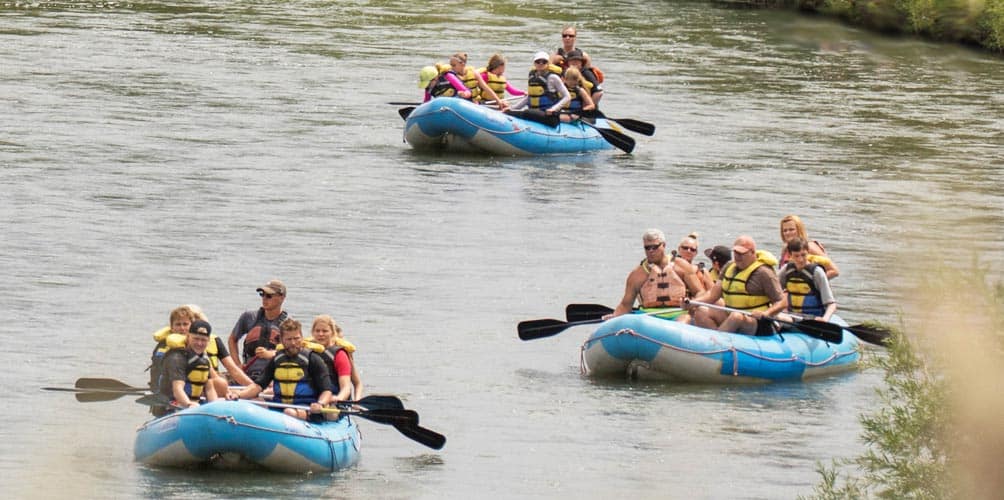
936	434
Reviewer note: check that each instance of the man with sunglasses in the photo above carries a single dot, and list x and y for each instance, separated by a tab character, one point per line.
659	282
747	284
260	329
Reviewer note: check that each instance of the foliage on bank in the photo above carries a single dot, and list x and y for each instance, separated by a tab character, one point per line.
971	22
936	433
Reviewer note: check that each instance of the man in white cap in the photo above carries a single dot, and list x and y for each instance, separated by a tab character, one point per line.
260	329
746	284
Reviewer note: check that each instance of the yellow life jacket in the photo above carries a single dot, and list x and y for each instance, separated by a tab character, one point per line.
495	82
177	341
662	287
198	374
536	88
803	296
292	379
734	289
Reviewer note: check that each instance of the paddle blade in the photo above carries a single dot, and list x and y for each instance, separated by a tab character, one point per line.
873	334
94	397
427	437
540	328
376	402
106	384
586	312
154	400
638	126
618	140
405	112
389	417
822	330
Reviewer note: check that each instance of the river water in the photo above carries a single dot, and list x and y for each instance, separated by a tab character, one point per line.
160	153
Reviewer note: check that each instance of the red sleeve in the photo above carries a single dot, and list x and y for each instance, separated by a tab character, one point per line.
343	367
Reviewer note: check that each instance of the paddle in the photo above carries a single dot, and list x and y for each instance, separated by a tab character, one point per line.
398	103
106	384
539	328
873	334
583	312
822	330
631	124
405	421
617	139
376	401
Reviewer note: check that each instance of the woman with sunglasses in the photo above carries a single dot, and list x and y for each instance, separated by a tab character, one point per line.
792	227
545	90
687	250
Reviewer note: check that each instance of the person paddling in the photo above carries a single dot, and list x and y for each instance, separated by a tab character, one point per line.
546	92
806	284
298	376
747	284
659	281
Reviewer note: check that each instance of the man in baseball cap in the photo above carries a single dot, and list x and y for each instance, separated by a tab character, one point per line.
259	329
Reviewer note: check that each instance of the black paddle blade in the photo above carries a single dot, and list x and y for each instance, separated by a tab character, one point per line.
427	437
398	103
633	125
586	312
540	328
389	417
376	402
405	112
822	330
873	334
620	141
106	384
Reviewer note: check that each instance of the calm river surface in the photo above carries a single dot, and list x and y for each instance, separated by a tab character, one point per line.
160	153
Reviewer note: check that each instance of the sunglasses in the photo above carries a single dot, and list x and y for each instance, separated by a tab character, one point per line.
737	252
649	248
266	295
540	61
567	36
691	249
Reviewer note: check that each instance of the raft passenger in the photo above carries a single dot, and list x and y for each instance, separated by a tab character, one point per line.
260	329
658	282
338	354
806	285
747	284
793	227
461	81
577	59
545	91
187	370
580	102
298	376
494	76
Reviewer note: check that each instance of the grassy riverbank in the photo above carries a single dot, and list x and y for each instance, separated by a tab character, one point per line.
937	432
970	22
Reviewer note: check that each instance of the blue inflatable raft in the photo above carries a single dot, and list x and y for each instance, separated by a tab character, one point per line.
650	348
223	431
458	125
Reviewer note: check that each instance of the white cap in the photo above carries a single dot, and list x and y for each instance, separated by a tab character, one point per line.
541	55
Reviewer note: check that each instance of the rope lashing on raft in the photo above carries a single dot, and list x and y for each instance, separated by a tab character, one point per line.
505	132
733	349
233	421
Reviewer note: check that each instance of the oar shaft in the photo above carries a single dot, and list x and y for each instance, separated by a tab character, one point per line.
829	332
